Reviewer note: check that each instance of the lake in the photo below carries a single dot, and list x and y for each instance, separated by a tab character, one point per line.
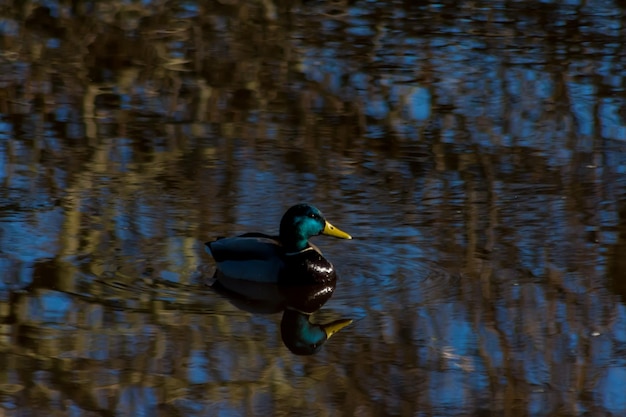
475	151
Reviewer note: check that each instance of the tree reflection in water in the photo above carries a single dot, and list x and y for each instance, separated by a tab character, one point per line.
477	149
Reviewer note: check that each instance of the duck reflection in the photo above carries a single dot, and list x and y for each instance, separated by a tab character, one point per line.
303	337
297	303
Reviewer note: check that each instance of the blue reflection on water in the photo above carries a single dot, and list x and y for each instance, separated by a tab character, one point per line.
9	27
140	400
583	99
52	307
31	237
53	43
613	125
377	107
198	367
420	104
490	341
619	327
360	29
611	389
449	390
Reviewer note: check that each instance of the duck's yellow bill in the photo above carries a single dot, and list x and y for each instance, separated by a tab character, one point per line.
335	326
331	230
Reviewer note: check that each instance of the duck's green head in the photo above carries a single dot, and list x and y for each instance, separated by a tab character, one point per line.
303	221
303	337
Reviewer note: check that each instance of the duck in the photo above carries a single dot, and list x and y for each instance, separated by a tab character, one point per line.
288	259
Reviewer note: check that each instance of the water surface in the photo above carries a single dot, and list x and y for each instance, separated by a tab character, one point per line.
476	151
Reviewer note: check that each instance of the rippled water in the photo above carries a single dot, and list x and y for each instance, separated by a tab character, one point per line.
476	152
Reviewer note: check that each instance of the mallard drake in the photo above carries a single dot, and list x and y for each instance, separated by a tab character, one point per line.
286	259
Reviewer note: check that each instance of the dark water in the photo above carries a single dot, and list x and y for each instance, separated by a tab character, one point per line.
476	151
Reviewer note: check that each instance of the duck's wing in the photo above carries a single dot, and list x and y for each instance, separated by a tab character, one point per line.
253	257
